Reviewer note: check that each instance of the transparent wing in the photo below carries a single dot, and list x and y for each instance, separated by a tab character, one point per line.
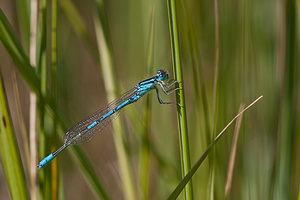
80	134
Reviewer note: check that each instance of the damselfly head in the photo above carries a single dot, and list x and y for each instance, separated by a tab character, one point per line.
162	74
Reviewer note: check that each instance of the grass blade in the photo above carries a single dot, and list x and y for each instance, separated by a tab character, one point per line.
145	149
78	25
33	104
288	103
112	90
233	154
17	54
23	13
198	78
21	61
53	91
9	152
193	170
180	98
215	97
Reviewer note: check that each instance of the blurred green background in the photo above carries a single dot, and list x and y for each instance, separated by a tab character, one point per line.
258	55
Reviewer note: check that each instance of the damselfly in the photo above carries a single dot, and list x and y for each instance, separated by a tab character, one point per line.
84	130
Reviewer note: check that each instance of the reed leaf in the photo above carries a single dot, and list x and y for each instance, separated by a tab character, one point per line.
9	152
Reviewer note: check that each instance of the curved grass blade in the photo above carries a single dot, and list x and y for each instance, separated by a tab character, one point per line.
17	54
78	25
111	86
83	162
9	152
15	50
190	174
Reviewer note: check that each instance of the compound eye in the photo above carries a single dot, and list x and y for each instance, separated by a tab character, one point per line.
162	74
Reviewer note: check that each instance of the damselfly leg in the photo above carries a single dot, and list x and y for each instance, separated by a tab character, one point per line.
166	92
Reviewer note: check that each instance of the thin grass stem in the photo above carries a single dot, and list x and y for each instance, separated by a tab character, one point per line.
53	91
215	98
145	150
33	103
180	98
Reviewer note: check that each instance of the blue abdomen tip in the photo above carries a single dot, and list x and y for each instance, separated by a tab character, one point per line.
45	161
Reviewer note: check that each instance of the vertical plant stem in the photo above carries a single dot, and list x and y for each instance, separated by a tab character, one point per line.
216	68
215	89
144	166
33	145
54	171
42	57
32	119
111	86
287	116
181	110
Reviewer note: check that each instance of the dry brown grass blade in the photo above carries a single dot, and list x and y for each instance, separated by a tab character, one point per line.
233	153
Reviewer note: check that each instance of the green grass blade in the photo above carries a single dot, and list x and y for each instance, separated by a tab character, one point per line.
23	13
190	174
112	90
180	98
9	152
78	25
80	159
45	176
215	99
17	54
145	149
198	78
41	44
288	102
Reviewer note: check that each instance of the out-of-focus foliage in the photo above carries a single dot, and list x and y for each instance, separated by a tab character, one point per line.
258	49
